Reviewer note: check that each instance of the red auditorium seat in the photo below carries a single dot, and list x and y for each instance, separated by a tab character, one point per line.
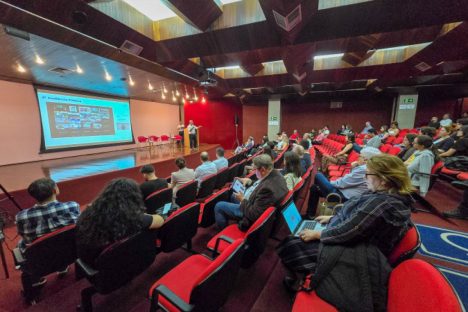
222	178
463	176
385	148
207	185
198	283
406	248
414	286
450	172
157	200
207	218
187	193
399	140
142	140
395	150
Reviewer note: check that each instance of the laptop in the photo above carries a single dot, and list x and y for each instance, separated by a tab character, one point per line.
296	224
238	187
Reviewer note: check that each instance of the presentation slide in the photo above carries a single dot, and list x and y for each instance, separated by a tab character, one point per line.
77	121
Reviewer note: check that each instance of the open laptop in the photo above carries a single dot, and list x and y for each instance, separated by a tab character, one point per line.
238	187
296	224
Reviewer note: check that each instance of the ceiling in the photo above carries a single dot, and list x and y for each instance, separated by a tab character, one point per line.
253	49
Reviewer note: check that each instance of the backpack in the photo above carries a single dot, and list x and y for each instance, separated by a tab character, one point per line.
457	163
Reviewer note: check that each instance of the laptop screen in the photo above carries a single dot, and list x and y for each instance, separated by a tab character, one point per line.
291	216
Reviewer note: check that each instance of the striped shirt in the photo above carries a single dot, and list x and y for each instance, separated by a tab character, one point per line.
39	220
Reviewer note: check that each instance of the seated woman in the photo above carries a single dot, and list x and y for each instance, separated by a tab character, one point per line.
460	148
117	213
394	130
292	169
407	146
180	177
420	167
445	141
379	217
383	132
340	157
283	144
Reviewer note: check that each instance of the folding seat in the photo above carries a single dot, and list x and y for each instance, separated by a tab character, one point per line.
462	176
385	148
414	286
48	254
395	150
222	178
233	172
278	219
157	200
255	237
398	140
340	170
207	186
231	160
207	218
164	140
359	141
278	163
390	140
240	170
406	247
116	266
450	172
187	193
179	228
198	284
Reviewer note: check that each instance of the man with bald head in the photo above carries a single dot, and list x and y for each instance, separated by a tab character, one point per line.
205	169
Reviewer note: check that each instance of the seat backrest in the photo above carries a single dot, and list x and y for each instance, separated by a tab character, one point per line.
233	170
240	170
406	247
187	193
417	286
179	228
216	282
153	138
257	236
164	137
207	186
222	178
395	150
142	139
122	261
157	200
353	156
207	208
51	252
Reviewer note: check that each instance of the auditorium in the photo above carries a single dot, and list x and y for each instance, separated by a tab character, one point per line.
234	155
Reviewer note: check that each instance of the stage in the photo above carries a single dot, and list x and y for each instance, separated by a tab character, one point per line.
80	178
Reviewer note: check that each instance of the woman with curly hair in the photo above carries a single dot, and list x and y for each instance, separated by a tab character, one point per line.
117	213
292	169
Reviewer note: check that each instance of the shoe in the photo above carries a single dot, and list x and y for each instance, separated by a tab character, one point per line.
456	213
62	273
40	283
290	284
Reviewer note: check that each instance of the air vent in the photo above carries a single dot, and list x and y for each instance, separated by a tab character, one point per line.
336	104
131	47
289	21
61	71
423	66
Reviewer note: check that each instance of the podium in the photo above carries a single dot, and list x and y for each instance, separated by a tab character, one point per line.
187	138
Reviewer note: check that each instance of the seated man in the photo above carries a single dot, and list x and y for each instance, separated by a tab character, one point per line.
46	216
205	169
270	190
373	140
352	184
152	182
220	162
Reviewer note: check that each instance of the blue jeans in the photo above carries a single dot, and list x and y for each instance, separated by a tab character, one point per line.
225	211
325	186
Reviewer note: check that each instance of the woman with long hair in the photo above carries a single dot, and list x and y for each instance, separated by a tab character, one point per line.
445	141
460	148
117	213
292	169
407	146
379	217
420	164
340	157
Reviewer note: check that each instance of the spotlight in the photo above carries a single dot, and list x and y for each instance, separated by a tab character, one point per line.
78	69
20	68
108	77
130	81
39	60
150	86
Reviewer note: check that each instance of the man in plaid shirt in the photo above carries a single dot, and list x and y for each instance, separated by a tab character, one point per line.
47	215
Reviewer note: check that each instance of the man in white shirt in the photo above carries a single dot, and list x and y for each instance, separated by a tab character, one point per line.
446	121
192	130
220	162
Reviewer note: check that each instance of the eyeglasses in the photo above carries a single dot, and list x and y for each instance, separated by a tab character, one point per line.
370	174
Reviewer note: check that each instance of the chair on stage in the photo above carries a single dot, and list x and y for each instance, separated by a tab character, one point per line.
48	254
157	200
153	140
164	140
198	283
142	140
116	266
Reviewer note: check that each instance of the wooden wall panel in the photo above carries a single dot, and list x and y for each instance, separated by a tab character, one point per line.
255	119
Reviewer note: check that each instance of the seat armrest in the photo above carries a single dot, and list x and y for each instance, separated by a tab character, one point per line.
218	240
18	256
86	269
171	297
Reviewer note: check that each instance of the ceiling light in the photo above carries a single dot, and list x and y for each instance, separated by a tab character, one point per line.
164	88
20	68
163	96
195	96
203	100
39	60
150	86
78	69
177	93
173	97
155	10
224	68
229	1
327	56
108	77
130	81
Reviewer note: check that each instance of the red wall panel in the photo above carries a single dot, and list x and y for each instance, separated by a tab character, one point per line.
217	119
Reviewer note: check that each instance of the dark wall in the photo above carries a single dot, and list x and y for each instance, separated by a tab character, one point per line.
217	119
430	106
255	121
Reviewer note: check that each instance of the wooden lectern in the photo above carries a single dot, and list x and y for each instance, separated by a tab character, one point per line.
187	138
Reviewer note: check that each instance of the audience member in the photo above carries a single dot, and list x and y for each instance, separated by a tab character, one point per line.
180	177
434	123
269	150
342	130
117	213
446	121
367	127
420	167
429	131
306	160
407	147
292	169
307	137
394	130
294	136
205	169
152	182
373	140
220	162
270	190
348	186
383	132
460	148
46	216
464	115
445	141
378	218
283	144
339	158
461	212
